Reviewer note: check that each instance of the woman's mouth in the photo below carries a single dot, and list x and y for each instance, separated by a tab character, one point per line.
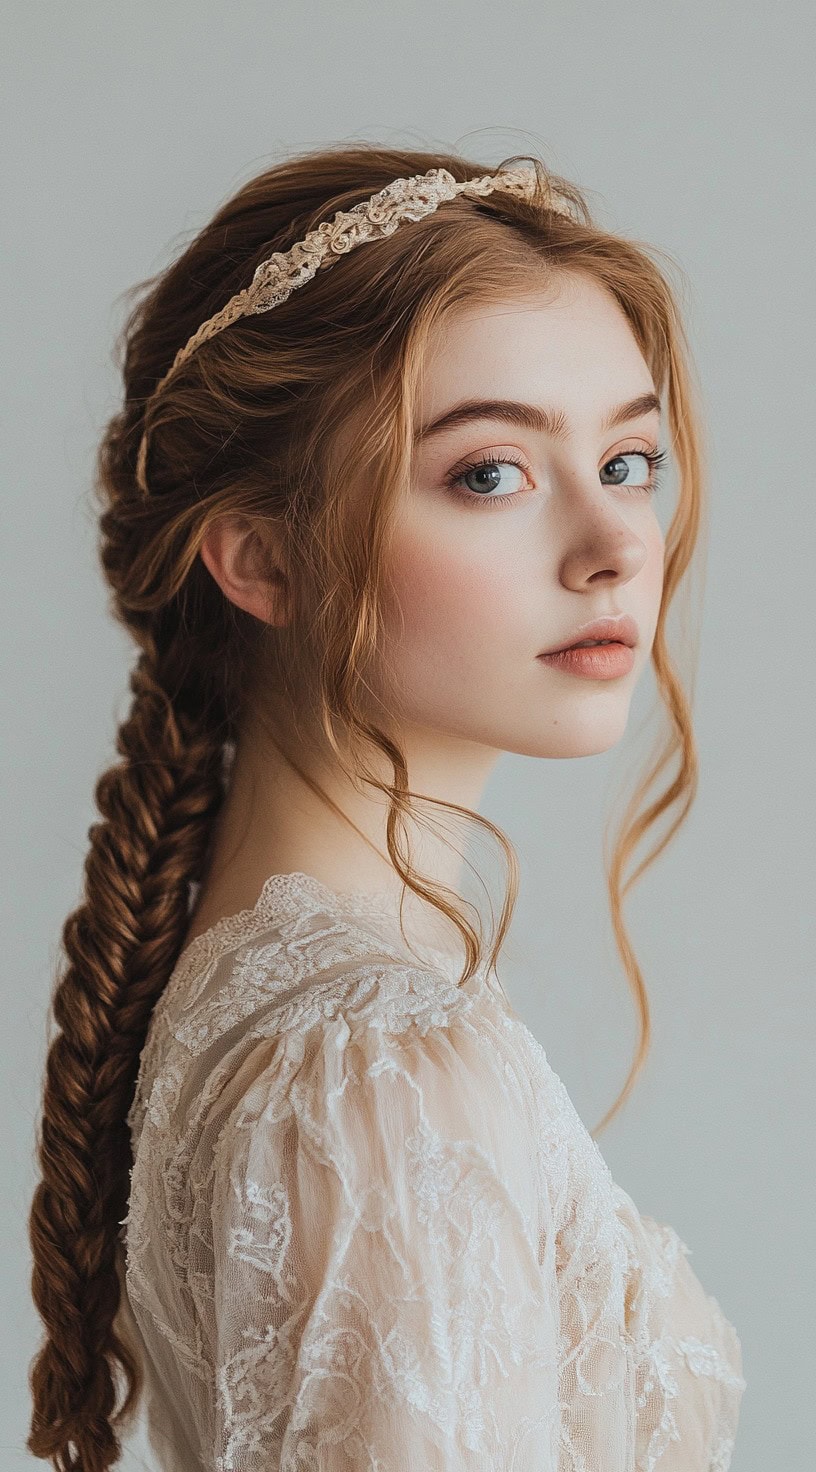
601	661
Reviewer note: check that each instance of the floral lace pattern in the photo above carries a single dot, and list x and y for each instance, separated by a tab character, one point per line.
367	1228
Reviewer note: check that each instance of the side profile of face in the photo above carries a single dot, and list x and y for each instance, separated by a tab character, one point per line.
513	536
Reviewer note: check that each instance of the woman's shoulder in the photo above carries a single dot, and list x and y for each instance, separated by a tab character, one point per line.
256	977
295	968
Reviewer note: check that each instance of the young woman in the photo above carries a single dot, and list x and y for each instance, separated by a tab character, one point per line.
390	444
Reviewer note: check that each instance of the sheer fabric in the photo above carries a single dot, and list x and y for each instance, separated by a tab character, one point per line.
368	1230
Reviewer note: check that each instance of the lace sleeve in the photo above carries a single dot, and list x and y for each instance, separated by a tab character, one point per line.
379	1290
689	1380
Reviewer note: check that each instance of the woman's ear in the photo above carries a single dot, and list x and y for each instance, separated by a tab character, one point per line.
248	568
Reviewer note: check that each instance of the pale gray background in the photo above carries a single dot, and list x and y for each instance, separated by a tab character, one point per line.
691	127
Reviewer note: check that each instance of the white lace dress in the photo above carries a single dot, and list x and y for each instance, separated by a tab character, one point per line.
368	1230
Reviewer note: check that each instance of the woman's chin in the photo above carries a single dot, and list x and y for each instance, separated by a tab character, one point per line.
569	735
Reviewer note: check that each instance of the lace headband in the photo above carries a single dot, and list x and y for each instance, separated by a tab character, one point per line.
282	272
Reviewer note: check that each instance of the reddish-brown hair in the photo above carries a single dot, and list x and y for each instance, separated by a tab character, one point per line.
300	419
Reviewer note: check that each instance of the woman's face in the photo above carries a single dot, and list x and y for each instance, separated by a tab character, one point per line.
481	587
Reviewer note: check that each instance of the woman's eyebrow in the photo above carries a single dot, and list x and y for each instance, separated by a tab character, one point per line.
532	416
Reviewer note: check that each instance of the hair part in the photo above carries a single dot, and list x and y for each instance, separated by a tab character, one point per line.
300	420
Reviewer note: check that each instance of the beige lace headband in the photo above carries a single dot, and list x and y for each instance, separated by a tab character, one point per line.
278	276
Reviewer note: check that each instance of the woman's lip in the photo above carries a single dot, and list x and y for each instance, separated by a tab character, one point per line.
598	662
620	627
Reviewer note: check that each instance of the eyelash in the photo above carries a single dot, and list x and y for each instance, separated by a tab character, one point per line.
656	459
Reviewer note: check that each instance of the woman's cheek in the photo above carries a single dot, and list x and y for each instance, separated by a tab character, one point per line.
451	593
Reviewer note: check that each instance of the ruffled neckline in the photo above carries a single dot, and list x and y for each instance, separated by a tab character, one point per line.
285	895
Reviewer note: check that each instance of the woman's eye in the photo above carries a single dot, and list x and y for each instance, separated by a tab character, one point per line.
623	474
486	476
